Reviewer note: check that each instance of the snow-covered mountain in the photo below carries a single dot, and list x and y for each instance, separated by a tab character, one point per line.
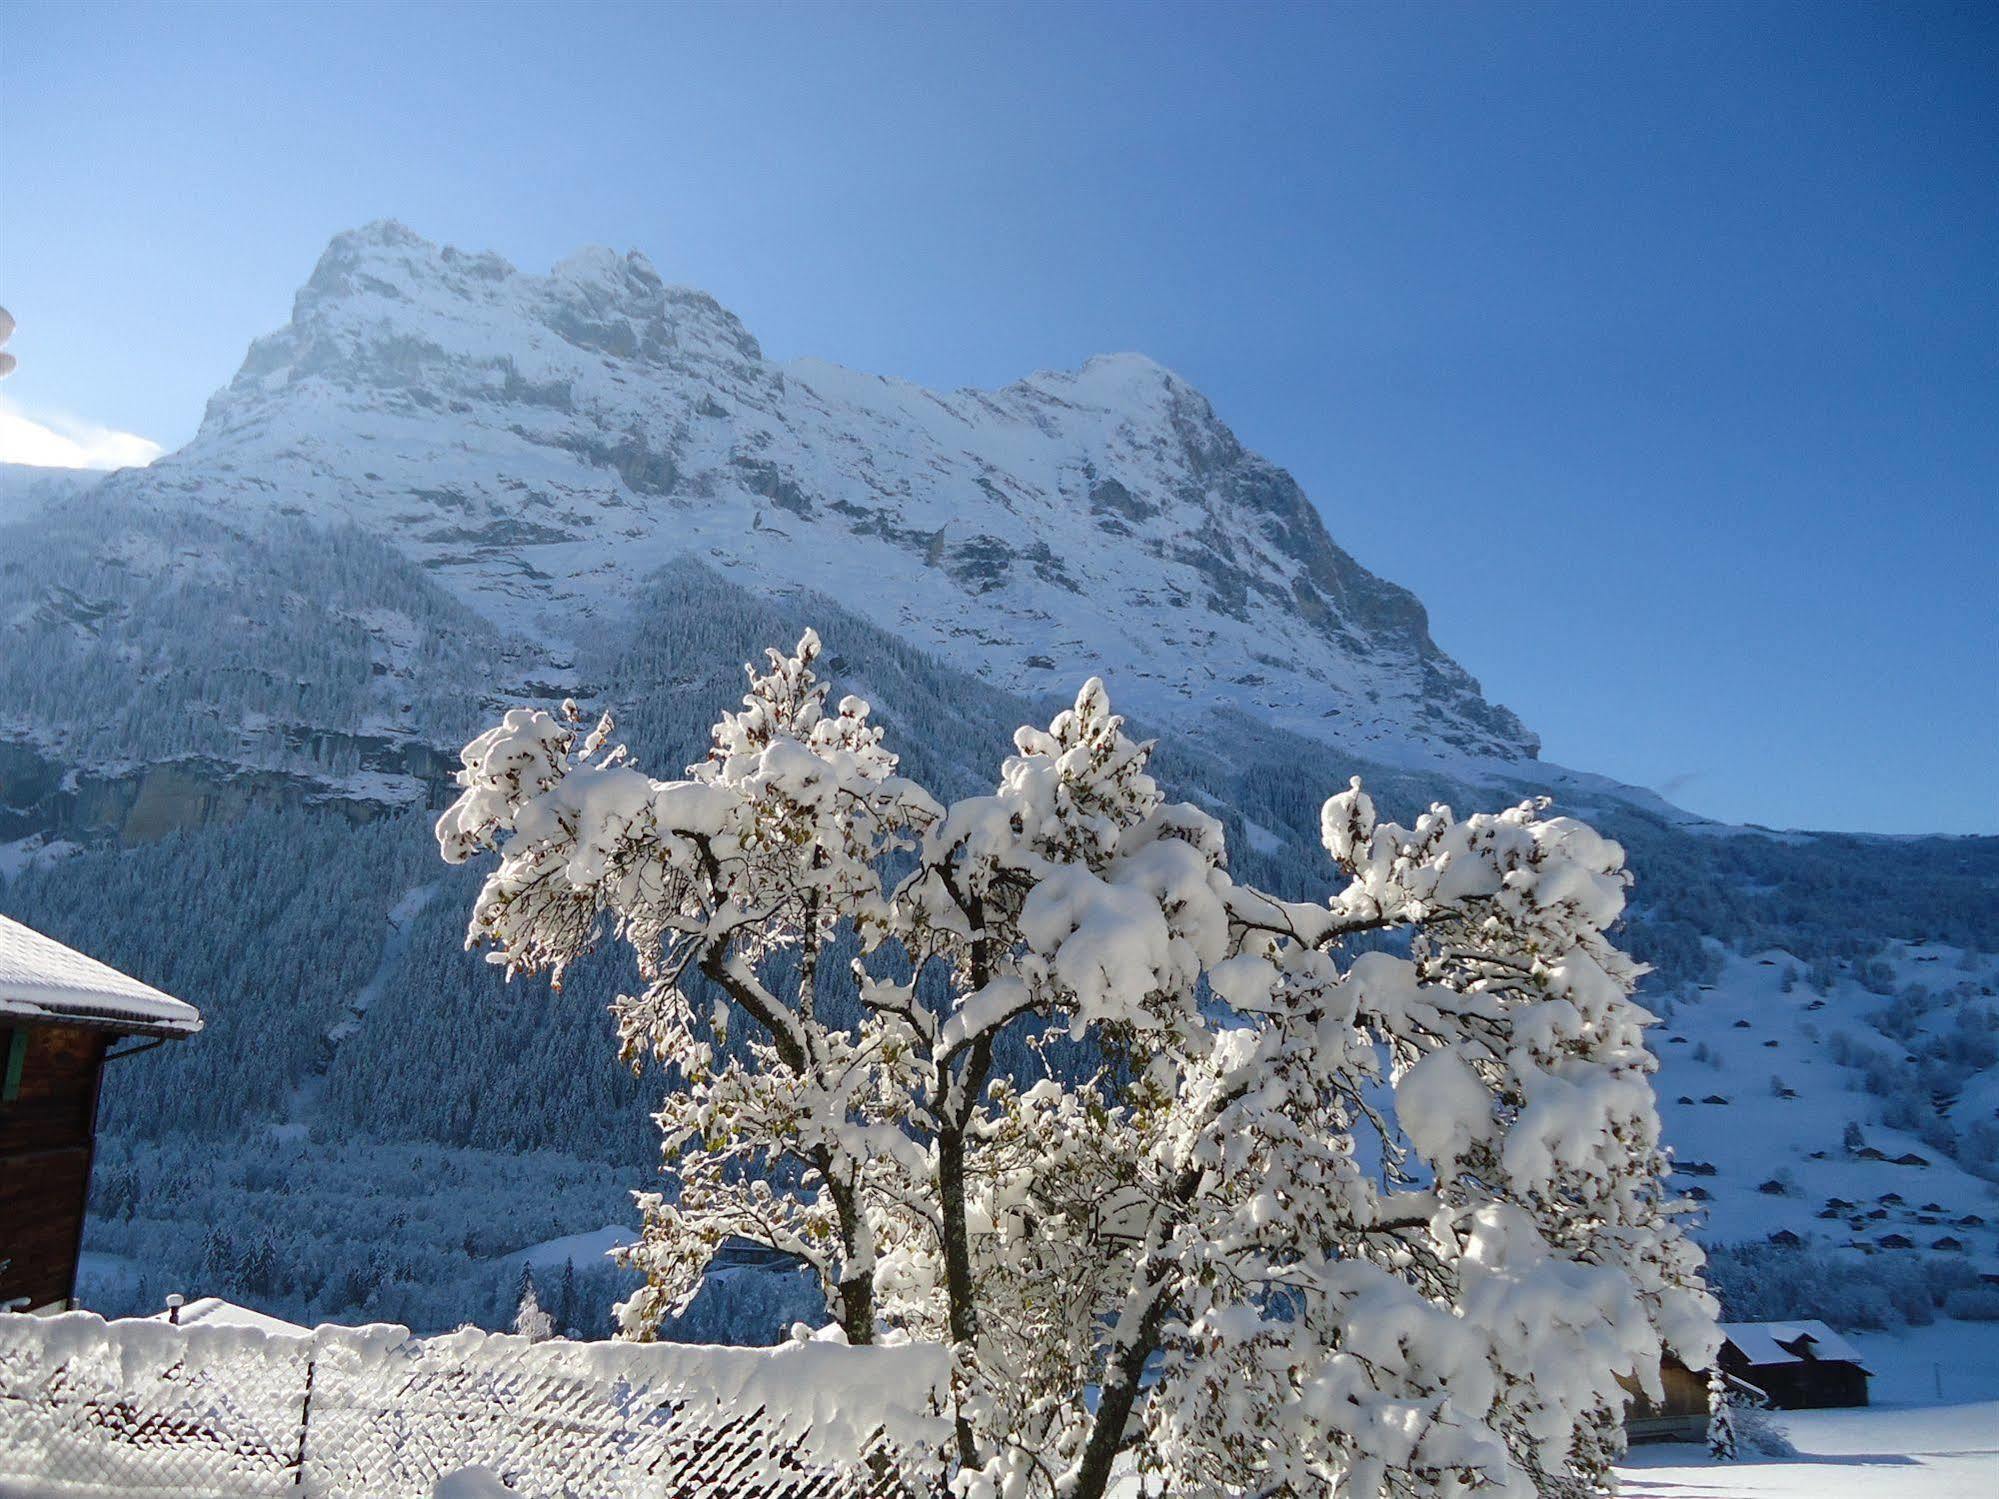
544	444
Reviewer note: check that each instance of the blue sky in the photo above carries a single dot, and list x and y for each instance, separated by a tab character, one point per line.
1656	348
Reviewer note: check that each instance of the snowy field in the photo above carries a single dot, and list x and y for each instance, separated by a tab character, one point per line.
1931	1433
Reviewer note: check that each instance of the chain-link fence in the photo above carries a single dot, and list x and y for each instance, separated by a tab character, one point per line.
146	1408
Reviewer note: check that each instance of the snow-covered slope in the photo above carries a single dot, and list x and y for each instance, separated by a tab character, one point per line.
1761	1076
544	443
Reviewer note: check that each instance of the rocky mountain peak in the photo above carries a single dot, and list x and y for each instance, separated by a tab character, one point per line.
544	443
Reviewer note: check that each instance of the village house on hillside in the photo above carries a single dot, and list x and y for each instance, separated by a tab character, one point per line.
60	1015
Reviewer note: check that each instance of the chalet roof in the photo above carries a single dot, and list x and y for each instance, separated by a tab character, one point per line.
41	979
215	1312
1780	1342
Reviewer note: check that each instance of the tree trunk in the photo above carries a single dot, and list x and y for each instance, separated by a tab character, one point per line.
856	1287
960	1303
1119	1395
963	1314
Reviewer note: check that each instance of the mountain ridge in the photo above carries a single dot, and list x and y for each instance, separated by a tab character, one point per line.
543	443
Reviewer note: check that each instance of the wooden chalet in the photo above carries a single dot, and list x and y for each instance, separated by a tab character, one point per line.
1791	1365
61	1015
1798	1365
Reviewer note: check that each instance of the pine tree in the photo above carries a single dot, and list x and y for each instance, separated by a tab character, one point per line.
220	1264
1720	1420
530	1321
259	1271
565	1315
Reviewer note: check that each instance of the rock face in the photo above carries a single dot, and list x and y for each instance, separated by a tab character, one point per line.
544	444
135	804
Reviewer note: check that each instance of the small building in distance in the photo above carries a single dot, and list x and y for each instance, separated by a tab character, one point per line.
213	1311
60	1013
1798	1365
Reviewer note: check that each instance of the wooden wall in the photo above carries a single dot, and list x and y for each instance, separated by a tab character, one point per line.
1680	1417
1809	1385
45	1146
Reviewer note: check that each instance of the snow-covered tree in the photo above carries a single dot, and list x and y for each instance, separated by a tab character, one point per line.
1757	1427
1720	1419
1261	1212
531	1320
565	1305
1739	1419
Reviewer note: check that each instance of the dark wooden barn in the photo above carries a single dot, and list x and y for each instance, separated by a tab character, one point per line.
1798	1365
61	1015
1792	1365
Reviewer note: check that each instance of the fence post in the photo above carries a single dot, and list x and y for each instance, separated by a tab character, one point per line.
305	1413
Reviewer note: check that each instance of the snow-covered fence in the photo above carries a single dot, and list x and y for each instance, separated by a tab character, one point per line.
143	1407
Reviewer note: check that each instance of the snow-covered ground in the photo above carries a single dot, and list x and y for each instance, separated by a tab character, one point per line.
1931	1433
589	1248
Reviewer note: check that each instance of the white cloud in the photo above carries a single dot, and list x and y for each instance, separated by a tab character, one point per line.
56	442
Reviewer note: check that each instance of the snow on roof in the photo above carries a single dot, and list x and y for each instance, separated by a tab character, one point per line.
42	979
213	1311
1766	1342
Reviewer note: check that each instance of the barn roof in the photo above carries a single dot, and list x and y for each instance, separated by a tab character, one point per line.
1778	1342
40	979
